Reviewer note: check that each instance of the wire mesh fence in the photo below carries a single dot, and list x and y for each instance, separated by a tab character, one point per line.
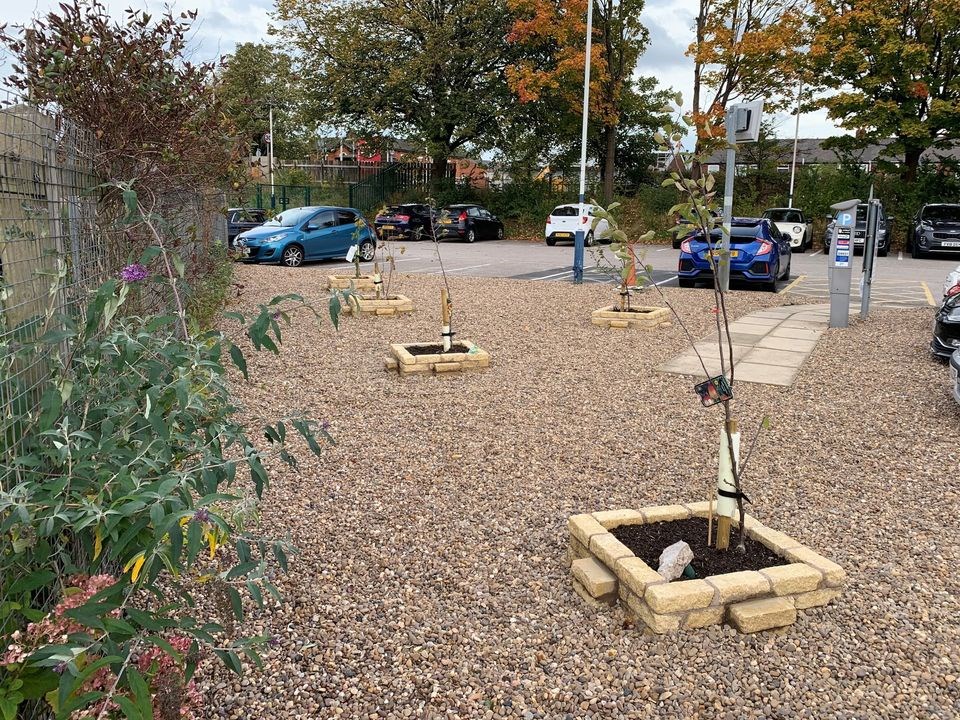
62	235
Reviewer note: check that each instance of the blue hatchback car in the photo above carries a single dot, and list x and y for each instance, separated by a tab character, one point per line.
307	233
759	253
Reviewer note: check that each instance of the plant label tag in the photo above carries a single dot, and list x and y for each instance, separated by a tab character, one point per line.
352	252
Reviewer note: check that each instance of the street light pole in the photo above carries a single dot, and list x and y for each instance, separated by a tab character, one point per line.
796	136
273	198
579	237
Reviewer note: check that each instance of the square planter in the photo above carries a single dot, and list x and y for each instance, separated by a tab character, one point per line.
345	282
604	570
370	305
645	318
414	358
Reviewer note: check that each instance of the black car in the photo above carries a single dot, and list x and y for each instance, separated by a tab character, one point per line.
884	230
469	222
411	221
946	327
242	219
955	374
936	228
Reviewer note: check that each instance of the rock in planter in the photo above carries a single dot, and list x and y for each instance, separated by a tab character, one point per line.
413	358
750	600
345	282
371	305
674	559
645	318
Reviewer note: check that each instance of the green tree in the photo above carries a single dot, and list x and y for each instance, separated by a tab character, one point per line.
428	70
895	65
255	77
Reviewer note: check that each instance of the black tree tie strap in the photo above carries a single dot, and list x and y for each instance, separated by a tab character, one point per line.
733	495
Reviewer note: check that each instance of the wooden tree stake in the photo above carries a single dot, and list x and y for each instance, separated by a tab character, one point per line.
723	532
445	315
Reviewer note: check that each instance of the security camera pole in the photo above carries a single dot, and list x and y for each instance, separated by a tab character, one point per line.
743	125
841	261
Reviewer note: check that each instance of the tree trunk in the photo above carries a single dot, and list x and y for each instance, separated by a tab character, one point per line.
438	170
911	163
609	162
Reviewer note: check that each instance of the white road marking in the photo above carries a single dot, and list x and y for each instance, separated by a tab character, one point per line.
816	253
547	277
667	280
453	270
900	255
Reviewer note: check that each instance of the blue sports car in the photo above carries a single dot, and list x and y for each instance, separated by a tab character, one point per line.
759	253
307	233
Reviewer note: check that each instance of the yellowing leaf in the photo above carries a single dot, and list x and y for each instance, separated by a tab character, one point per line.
136	563
97	543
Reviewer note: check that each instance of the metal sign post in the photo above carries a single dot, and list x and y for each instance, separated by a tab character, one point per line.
841	261
869	254
579	238
743	125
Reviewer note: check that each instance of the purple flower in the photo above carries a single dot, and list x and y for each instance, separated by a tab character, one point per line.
134	273
60	668
325	424
201	516
273	641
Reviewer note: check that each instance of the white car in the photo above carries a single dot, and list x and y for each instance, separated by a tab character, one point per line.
565	220
792	223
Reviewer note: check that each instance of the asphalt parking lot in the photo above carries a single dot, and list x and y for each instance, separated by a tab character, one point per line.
899	280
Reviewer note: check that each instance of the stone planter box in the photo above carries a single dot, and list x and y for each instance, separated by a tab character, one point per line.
645	318
605	571
345	282
370	305
469	357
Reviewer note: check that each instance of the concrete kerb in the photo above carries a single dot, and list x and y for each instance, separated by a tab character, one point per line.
806	579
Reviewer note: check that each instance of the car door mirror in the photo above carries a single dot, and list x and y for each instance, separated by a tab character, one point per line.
310	227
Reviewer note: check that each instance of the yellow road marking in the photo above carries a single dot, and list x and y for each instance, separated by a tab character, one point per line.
926	291
796	282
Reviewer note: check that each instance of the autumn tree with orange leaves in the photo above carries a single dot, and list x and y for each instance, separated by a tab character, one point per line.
896	64
552	35
745	50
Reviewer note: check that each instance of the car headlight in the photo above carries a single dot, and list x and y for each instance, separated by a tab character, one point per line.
274	238
240	240
797	229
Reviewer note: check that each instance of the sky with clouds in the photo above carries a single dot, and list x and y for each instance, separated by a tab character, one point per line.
223	23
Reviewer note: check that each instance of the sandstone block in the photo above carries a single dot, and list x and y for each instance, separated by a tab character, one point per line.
732	587
658	623
773	539
663	513
699	509
816	598
704	617
614	518
390	363
576	550
608	549
833	574
446	367
635	574
678	596
756	615
583	527
594	577
590	600
792	579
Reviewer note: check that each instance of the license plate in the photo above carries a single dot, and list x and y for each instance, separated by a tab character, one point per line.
951	243
388	227
564	234
446	221
245	252
734	253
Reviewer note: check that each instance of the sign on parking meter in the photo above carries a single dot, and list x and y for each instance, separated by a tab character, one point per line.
841	261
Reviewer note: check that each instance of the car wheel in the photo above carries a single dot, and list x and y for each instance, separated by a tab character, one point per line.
367	250
499	233
915	252
882	252
803	245
772	285
471	236
551	241
292	256
589	241
676	243
686	282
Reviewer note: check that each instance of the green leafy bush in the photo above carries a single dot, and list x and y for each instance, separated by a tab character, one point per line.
123	489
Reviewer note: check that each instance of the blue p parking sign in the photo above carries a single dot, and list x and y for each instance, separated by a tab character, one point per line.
846	219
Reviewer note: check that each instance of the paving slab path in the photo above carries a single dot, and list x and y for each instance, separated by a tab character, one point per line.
769	346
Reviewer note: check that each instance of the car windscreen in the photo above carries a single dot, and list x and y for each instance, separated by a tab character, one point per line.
942	213
291	218
566	211
784	216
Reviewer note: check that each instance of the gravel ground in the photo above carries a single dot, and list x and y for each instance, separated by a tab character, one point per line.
431	581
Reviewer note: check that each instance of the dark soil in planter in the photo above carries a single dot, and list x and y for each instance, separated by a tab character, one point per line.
374	297
436	349
648	541
640	311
